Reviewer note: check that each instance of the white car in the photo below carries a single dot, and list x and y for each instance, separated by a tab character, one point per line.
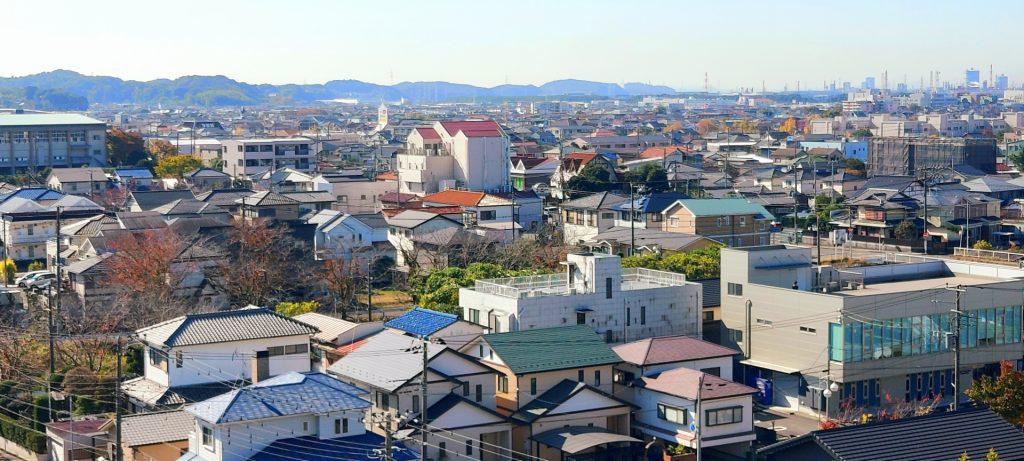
40	282
28	277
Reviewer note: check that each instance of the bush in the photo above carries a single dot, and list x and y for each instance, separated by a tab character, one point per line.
9	269
291	309
36	266
982	245
22	435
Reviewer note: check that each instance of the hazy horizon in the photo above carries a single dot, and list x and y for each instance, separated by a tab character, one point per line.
737	43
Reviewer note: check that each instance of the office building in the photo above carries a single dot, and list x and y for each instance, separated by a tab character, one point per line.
246	157
30	141
907	156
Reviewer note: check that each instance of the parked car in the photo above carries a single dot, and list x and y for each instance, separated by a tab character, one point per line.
27	277
40	282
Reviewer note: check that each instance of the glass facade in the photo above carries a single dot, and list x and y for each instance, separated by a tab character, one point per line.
858	341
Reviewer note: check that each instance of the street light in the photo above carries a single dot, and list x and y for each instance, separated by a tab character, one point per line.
827	393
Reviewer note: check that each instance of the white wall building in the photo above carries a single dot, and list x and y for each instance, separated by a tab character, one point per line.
472	155
620	304
245	157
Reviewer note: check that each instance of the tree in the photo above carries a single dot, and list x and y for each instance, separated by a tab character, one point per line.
696	265
855	166
159	148
266	265
706	125
291	309
1017	159
341	280
862	133
673	127
36	266
1004	395
982	245
906	230
651	175
825	204
992	455
592	178
143	274
964	457
9	271
125	148
789	126
176	166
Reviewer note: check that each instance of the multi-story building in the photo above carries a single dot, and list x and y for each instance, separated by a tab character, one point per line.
471	155
906	156
881	333
620	304
246	157
37	140
734	222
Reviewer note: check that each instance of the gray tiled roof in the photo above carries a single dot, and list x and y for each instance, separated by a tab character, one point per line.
148	200
217	327
595	201
289	394
157	427
365	364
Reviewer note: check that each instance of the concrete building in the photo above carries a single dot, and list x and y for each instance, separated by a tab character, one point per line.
246	157
905	156
30	141
620	304
471	155
879	332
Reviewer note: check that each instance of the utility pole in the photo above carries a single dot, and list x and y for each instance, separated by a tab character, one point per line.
388	439
423	400
369	289
632	222
49	379
118	455
955	335
59	280
699	421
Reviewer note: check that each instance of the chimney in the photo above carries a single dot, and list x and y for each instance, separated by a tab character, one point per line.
260	366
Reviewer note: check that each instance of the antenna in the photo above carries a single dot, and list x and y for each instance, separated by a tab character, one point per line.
705	82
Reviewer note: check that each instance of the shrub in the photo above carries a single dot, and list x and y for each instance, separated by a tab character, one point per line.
36	266
982	245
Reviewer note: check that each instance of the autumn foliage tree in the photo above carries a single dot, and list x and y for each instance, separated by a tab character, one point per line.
705	126
125	148
175	166
266	265
789	126
143	275
1004	395
159	148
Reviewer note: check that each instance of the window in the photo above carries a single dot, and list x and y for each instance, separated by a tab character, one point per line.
708	316
385	401
643	315
465	389
597	378
490	215
337	426
473	316
305	426
469	447
442	449
208	437
674	222
344	425
671	414
479	393
579	375
629	316
809	330
296	349
533	386
30	229
481	351
722	416
764	322
415	404
736	335
503	384
179	359
581	318
735	289
95	137
157	358
717	371
608	288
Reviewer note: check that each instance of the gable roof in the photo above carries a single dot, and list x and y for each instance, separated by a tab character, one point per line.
427	133
453	400
473	128
225	326
288	394
88	174
547	349
974	430
266	198
404	362
724	207
422	322
330	327
155	427
148	200
683	382
596	201
557	395
312	448
670	349
411	219
455	197
205	173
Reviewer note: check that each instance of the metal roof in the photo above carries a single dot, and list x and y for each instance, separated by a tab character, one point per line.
670	349
574	439
365	364
218	327
546	349
12	120
724	207
421	322
288	394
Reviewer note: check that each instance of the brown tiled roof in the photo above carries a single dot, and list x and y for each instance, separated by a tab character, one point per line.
683	382
455	197
670	349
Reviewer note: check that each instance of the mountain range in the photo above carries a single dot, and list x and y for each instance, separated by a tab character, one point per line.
69	90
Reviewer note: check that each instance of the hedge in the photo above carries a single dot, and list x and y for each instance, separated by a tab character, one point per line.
16	432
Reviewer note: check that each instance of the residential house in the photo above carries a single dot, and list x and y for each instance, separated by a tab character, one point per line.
78	181
336	332
527	172
247	157
134	178
880	328
472	155
76	438
285	180
267	204
506	213
585	217
620	304
357	195
571	165
734	222
404	226
309	416
27	225
460	392
225	198
147	200
206	179
971	432
197	356
425	323
561	400
627	147
339	235
156	436
654	355
645	211
621	240
311	202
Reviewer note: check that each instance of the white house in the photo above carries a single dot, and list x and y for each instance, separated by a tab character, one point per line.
472	155
620	304
408	224
292	416
196	356
343	236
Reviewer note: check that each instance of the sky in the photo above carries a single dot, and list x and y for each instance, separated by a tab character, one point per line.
738	43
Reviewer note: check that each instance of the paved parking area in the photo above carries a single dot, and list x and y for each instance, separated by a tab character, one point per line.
785	424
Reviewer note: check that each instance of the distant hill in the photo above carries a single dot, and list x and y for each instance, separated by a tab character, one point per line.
69	90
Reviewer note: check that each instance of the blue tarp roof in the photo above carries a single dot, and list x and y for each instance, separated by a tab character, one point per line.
422	322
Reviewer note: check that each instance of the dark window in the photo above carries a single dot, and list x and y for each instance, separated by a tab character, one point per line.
533	386
608	287
597	378
581	318
337	426
643	315
344	425
735	289
717	371
158	359
465	389
629	320
469	447
479	393
179	359
488	215
579	375
415	404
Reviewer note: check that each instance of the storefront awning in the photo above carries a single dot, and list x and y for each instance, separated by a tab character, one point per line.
769	366
574	439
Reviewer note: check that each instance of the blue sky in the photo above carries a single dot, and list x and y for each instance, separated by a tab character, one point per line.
738	43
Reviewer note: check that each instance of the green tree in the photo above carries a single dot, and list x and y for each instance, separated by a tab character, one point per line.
992	455
125	148
964	457
1004	395
855	166
439	290
36	266
291	309
862	133
9	271
592	178
982	245
826	204
651	175
176	166
695	265
906	230
1017	159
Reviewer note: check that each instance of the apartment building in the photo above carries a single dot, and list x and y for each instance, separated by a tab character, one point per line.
906	156
882	333
246	157
620	304
472	155
37	140
734	222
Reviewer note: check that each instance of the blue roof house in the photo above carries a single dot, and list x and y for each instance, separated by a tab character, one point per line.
421	322
308	416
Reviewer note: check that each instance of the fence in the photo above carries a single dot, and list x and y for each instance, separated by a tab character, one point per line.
1005	257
